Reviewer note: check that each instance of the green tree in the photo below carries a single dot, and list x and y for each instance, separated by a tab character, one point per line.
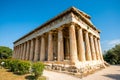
5	52
112	56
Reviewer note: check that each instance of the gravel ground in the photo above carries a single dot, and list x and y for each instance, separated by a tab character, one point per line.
109	73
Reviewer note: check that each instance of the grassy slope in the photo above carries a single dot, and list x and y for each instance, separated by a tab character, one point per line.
5	75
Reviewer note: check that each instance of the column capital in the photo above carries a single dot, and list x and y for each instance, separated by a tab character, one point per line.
72	23
90	34
85	31
60	29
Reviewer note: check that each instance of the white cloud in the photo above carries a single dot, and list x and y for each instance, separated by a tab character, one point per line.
114	42
108	44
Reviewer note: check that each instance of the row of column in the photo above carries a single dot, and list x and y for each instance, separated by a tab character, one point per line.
34	49
83	47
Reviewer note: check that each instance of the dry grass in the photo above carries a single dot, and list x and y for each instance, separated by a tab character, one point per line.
5	75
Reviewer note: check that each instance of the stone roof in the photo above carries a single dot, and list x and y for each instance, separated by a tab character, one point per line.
85	17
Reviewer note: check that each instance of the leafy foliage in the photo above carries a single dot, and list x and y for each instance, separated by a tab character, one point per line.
38	68
23	67
17	66
5	52
112	56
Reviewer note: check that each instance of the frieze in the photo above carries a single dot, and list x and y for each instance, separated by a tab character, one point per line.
47	28
84	25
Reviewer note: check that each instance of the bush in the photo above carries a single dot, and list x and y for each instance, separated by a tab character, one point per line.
38	68
17	66
13	65
7	63
112	56
5	52
23	67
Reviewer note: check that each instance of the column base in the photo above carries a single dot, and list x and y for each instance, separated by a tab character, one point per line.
80	69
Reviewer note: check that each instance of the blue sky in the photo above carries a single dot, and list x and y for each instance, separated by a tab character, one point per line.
18	17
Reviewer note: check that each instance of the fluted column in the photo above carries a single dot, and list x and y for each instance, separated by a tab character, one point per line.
23	54
31	49
13	56
73	45
81	49
67	49
100	50
21	51
93	54
50	47
88	51
97	51
60	46
16	52
27	52
36	49
42	49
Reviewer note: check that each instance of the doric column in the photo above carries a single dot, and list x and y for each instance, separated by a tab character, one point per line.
13	56
81	49
97	51
93	54
22	45
100	50
20	51
50	47
42	49
23	51
36	49
73	45
16	52
88	51
27	52
31	49
60	46
67	49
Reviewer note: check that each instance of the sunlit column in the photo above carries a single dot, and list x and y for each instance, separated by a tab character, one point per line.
81	49
100	50
73	45
97	51
31	49
27	52
88	51
42	49
22	48
50	47
60	45
92	47
36	49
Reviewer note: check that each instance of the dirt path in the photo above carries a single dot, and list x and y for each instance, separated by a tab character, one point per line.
109	73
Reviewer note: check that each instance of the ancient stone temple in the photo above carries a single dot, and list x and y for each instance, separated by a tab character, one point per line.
70	38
